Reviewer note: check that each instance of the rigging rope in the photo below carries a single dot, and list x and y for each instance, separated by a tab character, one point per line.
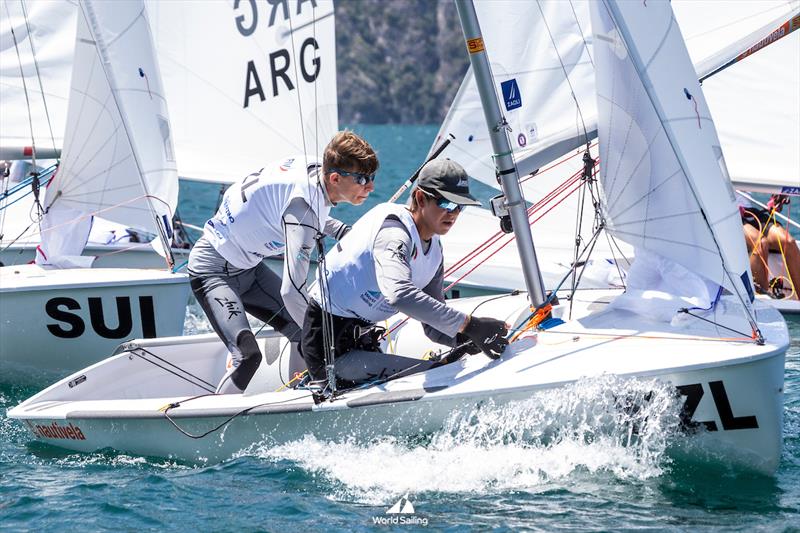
24	85
39	77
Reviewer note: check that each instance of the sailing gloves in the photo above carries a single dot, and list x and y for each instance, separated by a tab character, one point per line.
488	334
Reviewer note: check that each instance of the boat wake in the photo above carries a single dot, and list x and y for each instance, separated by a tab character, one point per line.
601	426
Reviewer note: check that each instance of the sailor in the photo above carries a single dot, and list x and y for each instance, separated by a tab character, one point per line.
280	209
392	262
765	235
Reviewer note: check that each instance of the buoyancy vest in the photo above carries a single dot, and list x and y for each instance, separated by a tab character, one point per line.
352	283
247	227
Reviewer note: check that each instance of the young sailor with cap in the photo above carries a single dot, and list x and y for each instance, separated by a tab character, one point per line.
281	209
390	262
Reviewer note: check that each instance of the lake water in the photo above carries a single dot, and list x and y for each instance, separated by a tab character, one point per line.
465	477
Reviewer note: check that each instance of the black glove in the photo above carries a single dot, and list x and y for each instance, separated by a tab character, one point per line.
464	344
488	334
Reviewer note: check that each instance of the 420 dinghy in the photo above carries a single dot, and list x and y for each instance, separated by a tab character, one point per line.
155	396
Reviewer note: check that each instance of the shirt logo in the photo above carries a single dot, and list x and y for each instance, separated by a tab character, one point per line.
371	297
511	94
286	165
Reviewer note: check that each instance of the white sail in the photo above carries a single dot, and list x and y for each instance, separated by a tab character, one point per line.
756	131
754	102
246	81
666	188
546	89
48	29
118	159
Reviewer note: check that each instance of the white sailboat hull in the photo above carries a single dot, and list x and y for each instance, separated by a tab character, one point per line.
732	392
140	255
53	322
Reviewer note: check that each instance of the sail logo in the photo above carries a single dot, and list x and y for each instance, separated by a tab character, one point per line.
401	513
403	506
511	95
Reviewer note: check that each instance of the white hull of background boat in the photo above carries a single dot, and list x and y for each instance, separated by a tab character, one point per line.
53	322
496	270
732	392
108	255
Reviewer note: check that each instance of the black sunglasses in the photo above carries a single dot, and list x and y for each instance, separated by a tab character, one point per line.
444	203
358	177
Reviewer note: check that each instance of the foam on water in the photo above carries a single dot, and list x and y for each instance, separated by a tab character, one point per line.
603	426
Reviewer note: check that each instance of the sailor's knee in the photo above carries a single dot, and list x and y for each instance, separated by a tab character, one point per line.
251	359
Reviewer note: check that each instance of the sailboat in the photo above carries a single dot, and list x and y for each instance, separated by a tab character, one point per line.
36	62
724	364
229	139
263	88
548	142
57	315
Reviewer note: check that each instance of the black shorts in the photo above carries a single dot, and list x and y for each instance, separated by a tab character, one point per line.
758	218
348	333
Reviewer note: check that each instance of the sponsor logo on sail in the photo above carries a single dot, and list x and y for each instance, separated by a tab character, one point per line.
522	140
511	95
400	514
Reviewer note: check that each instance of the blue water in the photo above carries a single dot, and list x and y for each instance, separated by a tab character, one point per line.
494	471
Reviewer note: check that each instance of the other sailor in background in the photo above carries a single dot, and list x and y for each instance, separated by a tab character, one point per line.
763	234
280	209
392	262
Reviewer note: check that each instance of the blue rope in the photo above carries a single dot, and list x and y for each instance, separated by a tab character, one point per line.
176	268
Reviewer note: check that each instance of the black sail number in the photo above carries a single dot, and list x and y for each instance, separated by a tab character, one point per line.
70	325
694	393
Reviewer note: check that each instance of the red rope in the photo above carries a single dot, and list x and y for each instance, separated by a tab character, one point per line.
554	165
573	181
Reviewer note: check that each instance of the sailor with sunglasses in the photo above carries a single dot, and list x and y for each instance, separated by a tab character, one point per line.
390	262
280	209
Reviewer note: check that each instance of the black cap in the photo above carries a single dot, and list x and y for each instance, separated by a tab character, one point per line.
448	179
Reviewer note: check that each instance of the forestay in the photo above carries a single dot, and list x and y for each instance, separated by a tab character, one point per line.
118	159
665	186
49	31
247	82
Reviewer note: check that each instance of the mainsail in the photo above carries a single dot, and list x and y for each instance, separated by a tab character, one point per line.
246	82
544	76
37	42
118	159
665	185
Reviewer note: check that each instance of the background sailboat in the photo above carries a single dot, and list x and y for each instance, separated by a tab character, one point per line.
36	64
235	90
118	157
560	77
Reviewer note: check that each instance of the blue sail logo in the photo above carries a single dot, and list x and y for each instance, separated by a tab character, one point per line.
511	94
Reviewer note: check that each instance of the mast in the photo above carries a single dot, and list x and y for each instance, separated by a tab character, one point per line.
503	154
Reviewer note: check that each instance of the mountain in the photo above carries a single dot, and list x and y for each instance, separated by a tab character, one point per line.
398	61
